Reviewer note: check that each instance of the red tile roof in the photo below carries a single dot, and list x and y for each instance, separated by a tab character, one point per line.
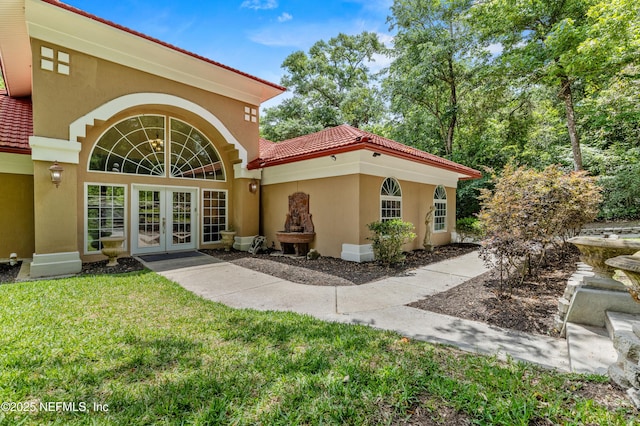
16	124
345	138
160	42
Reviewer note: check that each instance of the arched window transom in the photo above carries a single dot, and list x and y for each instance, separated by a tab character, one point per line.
440	214
138	145
390	200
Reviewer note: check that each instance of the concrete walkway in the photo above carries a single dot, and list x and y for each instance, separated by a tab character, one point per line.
380	304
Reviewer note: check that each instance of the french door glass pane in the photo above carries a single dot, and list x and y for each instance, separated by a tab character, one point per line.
181	218
149	219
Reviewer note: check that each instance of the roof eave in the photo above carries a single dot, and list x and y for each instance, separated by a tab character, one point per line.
75	29
464	173
15	48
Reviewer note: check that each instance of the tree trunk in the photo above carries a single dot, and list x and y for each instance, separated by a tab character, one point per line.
565	94
453	105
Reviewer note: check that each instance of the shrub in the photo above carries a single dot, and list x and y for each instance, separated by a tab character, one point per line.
388	238
469	227
528	211
467	202
622	193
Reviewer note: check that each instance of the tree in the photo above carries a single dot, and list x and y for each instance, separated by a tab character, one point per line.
292	118
435	59
332	84
541	42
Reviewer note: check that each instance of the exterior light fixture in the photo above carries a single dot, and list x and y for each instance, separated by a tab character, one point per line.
333	157
253	186
376	154
56	173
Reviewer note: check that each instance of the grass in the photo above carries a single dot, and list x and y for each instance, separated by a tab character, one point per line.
147	351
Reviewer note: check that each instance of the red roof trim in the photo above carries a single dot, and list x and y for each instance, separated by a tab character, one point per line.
157	41
10	150
345	138
260	163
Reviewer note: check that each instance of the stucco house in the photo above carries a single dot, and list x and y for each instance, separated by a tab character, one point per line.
105	131
354	178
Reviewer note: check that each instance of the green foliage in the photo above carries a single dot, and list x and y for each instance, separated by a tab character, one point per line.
292	118
622	193
388	238
467	201
541	44
331	84
435	57
484	84
469	227
528	211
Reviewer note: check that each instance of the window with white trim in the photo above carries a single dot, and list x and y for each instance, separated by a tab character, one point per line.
440	213
105	214
214	215
138	145
390	200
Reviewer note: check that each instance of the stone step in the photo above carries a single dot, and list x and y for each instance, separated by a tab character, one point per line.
590	349
619	321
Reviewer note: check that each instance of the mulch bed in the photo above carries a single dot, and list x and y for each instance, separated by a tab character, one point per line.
355	273
125	264
8	273
530	306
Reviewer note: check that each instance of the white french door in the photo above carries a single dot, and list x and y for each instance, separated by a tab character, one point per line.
164	219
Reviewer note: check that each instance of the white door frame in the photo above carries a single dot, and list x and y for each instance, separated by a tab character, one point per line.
163	222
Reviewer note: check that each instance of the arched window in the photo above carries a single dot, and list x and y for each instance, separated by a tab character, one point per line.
138	145
440	214
390	200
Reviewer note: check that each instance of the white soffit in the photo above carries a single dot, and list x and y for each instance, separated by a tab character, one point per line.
359	162
15	49
68	29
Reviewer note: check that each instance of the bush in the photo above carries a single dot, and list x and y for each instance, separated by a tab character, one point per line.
469	227
528	211
467	203
621	193
388	239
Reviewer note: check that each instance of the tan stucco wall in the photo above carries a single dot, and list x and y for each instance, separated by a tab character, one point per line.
16	215
332	204
55	209
343	206
244	219
60	99
416	200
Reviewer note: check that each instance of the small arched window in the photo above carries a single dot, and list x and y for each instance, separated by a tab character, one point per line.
440	214
390	200
142	145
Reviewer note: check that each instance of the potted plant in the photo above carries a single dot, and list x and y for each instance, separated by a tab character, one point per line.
228	238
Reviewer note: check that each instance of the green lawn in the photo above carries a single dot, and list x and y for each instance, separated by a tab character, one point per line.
147	351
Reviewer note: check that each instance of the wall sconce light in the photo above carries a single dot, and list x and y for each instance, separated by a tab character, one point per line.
376	154
253	186
56	173
333	157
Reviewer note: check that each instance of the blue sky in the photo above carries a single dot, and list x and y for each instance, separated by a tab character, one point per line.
254	36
